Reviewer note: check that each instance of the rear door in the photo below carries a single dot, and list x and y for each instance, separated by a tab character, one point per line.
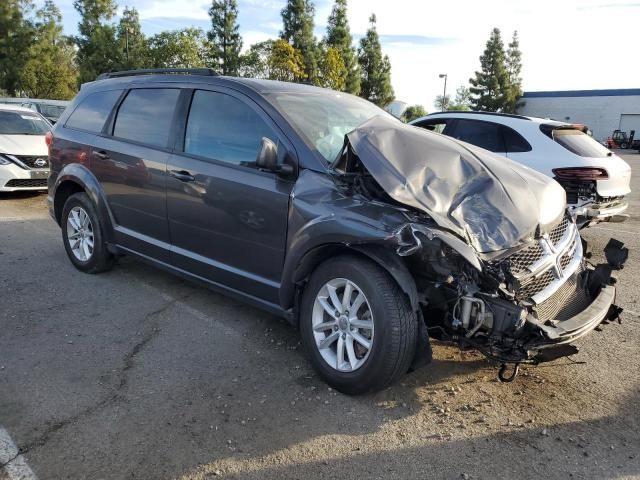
487	135
130	163
228	219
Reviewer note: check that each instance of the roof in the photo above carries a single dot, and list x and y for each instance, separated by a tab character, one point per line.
502	118
621	92
12	107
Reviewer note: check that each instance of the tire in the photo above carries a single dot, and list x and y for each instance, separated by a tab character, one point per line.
623	145
393	331
83	212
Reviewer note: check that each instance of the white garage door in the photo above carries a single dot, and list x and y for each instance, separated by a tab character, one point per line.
630	122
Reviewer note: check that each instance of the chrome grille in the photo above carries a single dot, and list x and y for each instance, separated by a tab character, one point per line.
569	300
558	232
544	266
30	161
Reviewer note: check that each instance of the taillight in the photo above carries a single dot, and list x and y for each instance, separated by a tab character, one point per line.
48	138
581	173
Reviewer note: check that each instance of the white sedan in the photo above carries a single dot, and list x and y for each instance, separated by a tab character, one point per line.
24	163
595	179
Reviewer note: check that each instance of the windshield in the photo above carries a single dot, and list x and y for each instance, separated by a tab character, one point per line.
325	118
22	123
52	111
576	141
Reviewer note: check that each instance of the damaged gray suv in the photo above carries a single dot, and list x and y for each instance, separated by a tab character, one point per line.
370	235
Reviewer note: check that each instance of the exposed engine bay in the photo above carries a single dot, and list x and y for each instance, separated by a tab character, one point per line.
516	294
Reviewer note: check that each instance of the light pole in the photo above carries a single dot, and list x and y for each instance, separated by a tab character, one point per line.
444	93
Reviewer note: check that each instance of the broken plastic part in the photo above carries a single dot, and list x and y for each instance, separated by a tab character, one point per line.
503	369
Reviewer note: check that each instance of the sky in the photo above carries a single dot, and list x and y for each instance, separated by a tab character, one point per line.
566	44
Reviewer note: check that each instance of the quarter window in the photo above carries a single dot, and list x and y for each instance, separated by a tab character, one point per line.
146	116
482	134
514	142
433	125
93	111
224	128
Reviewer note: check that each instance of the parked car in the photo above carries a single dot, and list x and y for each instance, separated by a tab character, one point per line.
595	179
368	234
23	153
50	109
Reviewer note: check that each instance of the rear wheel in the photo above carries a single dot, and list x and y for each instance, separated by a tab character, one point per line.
357	325
82	235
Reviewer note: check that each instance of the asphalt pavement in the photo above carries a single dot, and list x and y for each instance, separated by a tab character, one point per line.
136	374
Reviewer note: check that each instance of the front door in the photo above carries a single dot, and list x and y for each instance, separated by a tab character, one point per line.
227	219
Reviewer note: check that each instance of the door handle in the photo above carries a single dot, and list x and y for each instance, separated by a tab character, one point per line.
182	175
102	155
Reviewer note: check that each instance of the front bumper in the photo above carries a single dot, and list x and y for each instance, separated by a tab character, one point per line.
567	331
14	178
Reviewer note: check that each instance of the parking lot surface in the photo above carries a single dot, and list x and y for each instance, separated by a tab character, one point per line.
139	374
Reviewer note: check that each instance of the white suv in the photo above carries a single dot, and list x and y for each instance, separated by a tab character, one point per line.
23	152
595	179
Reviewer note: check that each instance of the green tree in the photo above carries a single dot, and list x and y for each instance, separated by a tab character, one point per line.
412	112
255	62
226	42
513	63
489	90
98	50
339	37
133	45
442	103
462	99
186	48
50	70
297	19
16	35
285	62
376	68
332	72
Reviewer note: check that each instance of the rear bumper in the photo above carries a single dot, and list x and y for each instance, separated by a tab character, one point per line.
594	212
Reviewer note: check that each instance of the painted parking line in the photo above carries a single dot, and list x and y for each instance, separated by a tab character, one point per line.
615	230
15	466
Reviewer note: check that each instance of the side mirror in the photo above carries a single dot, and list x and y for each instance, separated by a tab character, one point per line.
268	158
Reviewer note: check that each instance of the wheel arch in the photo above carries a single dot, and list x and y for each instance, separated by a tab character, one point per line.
292	288
76	178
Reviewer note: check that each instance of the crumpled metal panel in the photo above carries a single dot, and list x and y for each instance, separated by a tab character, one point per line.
491	201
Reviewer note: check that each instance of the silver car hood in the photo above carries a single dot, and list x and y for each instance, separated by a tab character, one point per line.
487	199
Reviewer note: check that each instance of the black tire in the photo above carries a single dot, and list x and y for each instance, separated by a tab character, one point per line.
395	325
101	259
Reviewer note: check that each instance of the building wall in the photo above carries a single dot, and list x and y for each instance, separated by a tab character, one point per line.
600	112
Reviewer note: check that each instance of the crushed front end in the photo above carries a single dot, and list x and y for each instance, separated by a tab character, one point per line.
524	306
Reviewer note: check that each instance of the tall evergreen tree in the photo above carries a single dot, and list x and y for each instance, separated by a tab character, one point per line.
226	42
375	84
297	19
98	50
50	70
339	37
489	90
16	34
131	40
513	63
186	48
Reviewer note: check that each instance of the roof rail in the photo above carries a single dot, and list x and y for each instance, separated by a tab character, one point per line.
476	112
159	71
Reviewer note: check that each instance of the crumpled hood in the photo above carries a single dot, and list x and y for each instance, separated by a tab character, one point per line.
493	202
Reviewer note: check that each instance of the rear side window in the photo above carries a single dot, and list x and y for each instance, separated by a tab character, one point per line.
224	128
436	126
93	111
146	116
575	141
514	142
482	134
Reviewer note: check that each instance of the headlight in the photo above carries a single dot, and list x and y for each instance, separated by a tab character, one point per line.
4	160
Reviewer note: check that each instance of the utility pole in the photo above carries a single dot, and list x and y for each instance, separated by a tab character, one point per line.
444	93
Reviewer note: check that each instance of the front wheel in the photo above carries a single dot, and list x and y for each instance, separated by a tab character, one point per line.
82	235
357	325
